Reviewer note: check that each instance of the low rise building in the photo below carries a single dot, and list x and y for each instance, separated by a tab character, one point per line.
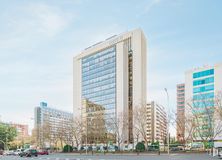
22	130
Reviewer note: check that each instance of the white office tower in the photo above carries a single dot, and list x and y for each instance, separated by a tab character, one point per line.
110	81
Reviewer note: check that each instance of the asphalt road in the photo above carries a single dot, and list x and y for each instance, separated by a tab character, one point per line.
115	157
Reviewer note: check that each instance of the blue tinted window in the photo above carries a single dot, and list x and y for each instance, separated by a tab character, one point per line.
203	89
99	79
204	96
203	73
203	104
203	81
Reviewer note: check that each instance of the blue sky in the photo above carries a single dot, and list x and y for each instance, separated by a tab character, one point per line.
39	38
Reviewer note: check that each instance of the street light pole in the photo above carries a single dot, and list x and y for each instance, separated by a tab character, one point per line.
86	134
168	123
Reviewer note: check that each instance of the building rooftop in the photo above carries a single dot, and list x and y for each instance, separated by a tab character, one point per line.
107	42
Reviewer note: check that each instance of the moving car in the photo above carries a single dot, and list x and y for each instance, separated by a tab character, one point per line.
29	153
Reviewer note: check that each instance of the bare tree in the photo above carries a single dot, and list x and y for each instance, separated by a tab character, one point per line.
186	127
218	105
61	131
117	127
76	130
140	123
93	122
38	133
206	114
54	139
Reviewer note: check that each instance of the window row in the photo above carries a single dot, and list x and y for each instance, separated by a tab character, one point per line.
99	89
203	89
203	104
98	54
99	65
99	72
90	94
182	94
181	107
104	58
203	81
106	102
103	100
98	79
180	87
180	91
99	83
204	96
203	73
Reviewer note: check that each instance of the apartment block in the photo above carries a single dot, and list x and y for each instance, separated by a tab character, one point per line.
156	123
180	119
51	124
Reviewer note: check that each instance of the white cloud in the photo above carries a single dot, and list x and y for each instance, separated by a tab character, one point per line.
25	25
149	6
46	19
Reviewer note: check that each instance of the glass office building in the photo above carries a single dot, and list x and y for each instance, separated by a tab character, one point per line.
201	87
109	82
99	79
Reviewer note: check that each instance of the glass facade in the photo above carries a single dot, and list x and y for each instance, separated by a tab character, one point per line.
204	96
203	104
203	81
99	79
203	99
203	73
203	89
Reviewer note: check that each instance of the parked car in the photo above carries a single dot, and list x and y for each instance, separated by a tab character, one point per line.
9	153
89	148
220	154
82	148
18	151
43	152
29	153
75	149
112	148
176	149
94	148
153	149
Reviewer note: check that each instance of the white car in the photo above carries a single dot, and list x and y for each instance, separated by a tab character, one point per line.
9	153
220	154
18	151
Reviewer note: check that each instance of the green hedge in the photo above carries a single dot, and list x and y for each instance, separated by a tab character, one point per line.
140	147
67	148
